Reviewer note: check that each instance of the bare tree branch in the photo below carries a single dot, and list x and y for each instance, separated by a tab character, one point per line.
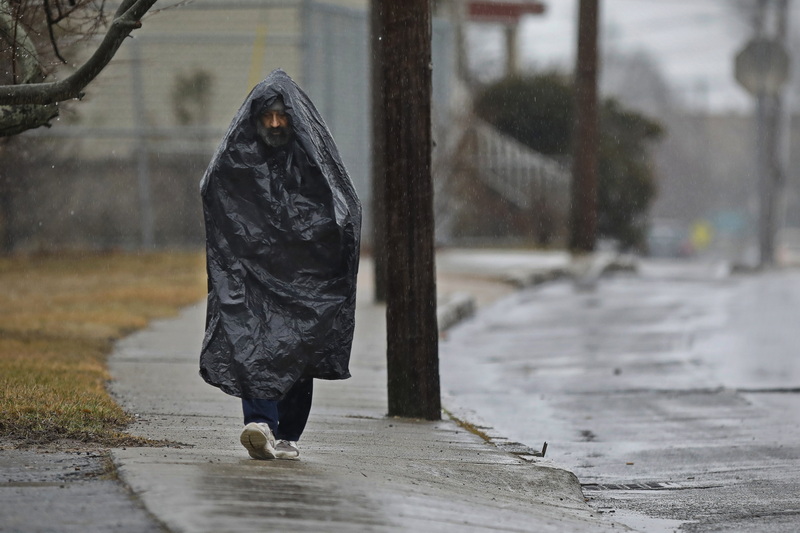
18	118
15	119
126	19
30	71
9	32
50	23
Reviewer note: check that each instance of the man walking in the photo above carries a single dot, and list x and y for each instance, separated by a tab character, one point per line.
283	228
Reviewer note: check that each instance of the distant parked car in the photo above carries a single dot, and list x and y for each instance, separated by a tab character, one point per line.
789	247
668	238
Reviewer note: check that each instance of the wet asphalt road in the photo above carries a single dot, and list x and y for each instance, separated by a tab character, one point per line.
674	394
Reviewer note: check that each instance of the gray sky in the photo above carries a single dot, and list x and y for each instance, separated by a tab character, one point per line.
692	41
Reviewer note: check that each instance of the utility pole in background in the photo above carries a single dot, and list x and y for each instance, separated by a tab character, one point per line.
780	126
774	176
378	207
403	75
583	216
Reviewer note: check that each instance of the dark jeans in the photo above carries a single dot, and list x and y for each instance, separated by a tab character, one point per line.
287	417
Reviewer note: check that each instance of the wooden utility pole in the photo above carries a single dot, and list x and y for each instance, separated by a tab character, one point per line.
378	165
583	230
404	31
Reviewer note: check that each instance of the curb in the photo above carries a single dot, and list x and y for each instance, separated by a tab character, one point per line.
457	307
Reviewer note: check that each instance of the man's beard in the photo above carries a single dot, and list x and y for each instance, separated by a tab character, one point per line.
274	137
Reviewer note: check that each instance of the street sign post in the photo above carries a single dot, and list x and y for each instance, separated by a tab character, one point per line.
762	68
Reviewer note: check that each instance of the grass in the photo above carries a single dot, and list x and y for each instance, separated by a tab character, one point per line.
59	317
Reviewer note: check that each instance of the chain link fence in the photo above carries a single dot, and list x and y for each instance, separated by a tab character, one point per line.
121	168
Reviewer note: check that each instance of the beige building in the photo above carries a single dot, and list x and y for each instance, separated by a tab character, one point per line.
130	155
188	69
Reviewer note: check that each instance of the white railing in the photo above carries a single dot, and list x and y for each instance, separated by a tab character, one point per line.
519	174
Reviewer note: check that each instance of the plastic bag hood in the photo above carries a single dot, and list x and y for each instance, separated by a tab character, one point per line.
282	247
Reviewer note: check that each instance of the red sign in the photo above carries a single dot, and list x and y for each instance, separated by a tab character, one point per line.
505	12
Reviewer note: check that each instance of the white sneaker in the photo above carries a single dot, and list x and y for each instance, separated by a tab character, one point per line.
259	441
287	449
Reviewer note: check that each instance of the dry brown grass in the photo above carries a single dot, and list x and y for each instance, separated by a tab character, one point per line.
59	317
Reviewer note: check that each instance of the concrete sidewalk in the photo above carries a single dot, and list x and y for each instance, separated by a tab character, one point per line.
359	469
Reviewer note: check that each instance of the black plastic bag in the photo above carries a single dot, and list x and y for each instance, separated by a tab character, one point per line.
282	244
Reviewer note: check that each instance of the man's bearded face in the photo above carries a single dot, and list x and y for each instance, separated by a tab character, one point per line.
274	127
